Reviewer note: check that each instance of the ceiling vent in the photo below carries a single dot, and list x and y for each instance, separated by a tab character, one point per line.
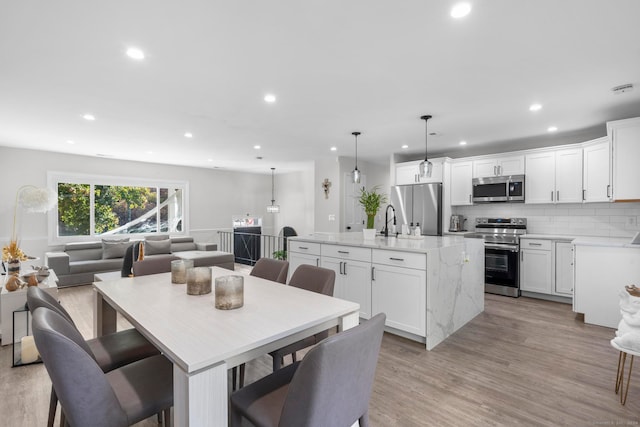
622	88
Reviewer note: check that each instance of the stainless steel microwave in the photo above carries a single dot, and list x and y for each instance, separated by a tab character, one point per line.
498	189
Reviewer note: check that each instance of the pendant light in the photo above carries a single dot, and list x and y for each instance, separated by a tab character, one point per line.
425	166
355	175
273	208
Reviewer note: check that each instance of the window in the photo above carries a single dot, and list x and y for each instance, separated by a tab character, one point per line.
98	206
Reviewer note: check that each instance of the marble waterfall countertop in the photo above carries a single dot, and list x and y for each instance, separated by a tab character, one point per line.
453	291
423	244
611	242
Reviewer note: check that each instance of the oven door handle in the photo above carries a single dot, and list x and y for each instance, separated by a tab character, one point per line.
512	248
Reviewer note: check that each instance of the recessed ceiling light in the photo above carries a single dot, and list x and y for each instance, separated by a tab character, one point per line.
460	10
89	117
256	147
188	135
209	160
535	107
552	129
334	148
405	146
135	53
70	142
463	142
270	98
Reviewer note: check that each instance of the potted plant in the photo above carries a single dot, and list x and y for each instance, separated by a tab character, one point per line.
371	202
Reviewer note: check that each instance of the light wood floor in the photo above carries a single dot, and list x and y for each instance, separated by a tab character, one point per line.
521	362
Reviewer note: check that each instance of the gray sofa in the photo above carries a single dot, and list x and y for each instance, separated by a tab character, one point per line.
79	261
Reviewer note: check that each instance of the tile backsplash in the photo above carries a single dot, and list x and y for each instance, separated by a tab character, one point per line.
588	219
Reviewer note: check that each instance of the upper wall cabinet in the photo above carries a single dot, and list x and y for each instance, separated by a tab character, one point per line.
554	176
625	153
409	172
596	174
461	184
498	166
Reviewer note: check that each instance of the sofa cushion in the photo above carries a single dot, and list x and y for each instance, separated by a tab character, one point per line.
157	237
179	247
154	247
83	251
96	266
112	250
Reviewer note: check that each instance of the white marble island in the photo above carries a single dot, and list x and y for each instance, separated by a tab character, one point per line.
429	287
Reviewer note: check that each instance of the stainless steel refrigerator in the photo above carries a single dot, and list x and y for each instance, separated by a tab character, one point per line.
419	203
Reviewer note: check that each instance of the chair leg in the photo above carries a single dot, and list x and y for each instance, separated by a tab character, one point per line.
624	391
167	417
234	375
278	361
363	421
294	357
53	406
241	381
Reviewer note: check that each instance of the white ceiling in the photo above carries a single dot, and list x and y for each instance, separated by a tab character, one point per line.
335	66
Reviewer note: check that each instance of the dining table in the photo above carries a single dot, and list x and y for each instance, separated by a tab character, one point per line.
204	342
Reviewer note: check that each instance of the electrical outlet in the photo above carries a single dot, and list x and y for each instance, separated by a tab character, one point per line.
332	217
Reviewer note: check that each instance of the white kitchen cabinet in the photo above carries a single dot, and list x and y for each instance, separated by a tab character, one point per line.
352	266
409	172
401	293
625	152
601	273
596	174
498	166
554	176
302	253
564	269
568	175
461	183
536	265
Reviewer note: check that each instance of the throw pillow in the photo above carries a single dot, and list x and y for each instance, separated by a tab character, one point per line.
157	237
155	247
114	249
116	239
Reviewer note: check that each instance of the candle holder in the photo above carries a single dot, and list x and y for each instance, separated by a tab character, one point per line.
229	292
199	281
179	270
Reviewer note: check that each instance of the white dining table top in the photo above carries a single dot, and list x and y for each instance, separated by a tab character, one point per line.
195	335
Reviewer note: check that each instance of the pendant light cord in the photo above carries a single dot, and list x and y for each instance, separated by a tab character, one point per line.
356	135
426	136
273	199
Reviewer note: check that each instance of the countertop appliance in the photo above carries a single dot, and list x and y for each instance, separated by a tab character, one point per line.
457	223
501	253
419	204
498	189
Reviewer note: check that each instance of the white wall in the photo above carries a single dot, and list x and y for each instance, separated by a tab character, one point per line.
588	219
214	195
324	207
295	193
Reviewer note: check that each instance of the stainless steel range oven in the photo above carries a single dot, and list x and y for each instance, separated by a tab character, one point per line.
501	253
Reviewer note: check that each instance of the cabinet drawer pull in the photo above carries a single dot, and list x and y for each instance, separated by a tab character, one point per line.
344	269
552	196
396	259
317	262
558	196
343	252
535	244
373	273
303	247
608	188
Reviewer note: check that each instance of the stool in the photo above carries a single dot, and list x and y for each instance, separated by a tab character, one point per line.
622	360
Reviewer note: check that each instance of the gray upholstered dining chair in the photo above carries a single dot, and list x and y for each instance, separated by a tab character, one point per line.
311	278
331	386
159	264
89	396
271	269
110	351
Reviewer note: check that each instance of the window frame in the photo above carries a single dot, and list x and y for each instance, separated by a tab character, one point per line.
54	178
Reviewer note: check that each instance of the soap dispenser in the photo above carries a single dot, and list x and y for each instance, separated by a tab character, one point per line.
417	231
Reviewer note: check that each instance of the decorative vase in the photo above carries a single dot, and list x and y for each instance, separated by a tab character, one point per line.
229	292
199	281
13	267
369	233
179	269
